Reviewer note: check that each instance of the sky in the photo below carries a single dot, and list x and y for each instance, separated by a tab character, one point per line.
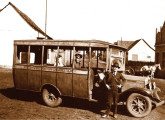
108	20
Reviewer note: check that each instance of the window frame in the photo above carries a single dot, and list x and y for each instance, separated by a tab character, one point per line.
16	55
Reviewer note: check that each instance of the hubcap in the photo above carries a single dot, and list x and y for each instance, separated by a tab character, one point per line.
138	105
51	97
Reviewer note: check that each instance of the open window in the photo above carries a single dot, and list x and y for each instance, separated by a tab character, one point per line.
60	58
65	57
98	58
22	54
50	55
35	55
81	57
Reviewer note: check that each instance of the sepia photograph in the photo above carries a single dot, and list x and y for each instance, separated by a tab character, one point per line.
82	60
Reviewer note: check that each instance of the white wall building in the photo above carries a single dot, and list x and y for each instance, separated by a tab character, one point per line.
138	50
12	27
141	51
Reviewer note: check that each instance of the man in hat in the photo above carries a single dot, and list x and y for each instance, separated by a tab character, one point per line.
77	63
113	81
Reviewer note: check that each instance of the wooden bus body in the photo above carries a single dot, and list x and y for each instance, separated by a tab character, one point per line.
36	65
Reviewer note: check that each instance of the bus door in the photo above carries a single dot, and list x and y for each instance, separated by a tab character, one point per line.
80	72
49	65
34	67
64	70
20	67
99	60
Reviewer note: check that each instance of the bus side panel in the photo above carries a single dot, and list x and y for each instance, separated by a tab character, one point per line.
20	78
80	84
64	81
49	76
34	78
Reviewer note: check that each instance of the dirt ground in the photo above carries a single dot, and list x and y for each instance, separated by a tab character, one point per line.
15	104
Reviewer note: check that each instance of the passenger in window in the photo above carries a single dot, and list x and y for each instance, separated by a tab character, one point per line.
78	60
59	64
94	56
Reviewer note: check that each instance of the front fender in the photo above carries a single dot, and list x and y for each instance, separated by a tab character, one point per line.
146	92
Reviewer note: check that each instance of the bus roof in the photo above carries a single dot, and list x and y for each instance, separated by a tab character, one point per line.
87	43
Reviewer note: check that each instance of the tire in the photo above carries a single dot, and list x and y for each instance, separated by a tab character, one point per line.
51	98
139	105
131	71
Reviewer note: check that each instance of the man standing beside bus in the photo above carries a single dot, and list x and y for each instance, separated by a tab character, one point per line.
113	81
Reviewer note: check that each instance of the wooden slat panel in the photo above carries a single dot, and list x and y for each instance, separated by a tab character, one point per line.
20	78
64	83
48	78
82	44
49	75
81	72
80	86
61	43
51	43
51	69
99	45
34	77
20	66
64	70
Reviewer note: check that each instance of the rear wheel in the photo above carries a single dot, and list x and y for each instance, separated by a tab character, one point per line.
139	105
51	97
130	71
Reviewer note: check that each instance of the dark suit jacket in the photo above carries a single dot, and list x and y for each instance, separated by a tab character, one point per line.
114	80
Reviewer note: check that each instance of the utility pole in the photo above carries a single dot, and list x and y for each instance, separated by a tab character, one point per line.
46	20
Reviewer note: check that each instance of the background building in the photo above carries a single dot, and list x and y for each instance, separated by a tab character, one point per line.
138	54
160	49
138	50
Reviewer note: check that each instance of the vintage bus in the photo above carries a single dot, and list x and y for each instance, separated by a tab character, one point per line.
57	68
49	67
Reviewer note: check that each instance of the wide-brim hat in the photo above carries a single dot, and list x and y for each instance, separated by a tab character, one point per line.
116	65
78	54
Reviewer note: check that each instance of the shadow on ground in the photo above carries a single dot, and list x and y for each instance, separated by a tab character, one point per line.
12	93
95	107
69	102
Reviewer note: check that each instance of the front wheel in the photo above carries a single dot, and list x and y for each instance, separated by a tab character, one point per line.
139	105
51	97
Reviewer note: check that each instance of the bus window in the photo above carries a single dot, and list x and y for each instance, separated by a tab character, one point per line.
35	54
22	54
81	58
65	57
50	55
98	58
